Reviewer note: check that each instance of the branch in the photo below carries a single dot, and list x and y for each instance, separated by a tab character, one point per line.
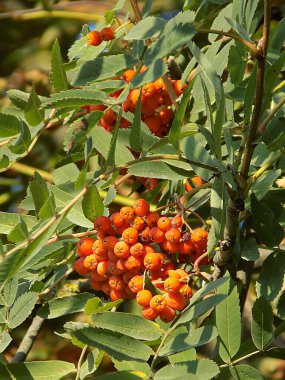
270	116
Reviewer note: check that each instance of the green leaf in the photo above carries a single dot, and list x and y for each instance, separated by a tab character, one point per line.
262	323
146	28
135	136
218	126
65	173
41	196
19	232
5	340
132	325
10	291
110	196
203	369
113	144
94	306
9	125
183	356
48	208
65	305
117	345
76	98
131	365
194	311
154	71
237	62
33	114
264	183
92	204
21	309
281	306
58	74
218	214
185	341
176	33
228	322
23	142
176	126
158	169
46	370
91	363
102	68
275	352
245	372
208	288
250	250
270	281
263	217
9	220
124	375
249	96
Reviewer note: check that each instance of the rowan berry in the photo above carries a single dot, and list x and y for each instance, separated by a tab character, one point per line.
157	303
164	223
175	300
124	123
159	85
80	268
149	248
102	224
186	291
137	250
152	219
112	256
127	276
138	223
105	287
178	88
107	34
84	247
127	213
120	265
117	294
128	75
152	261
168	268
199	237
153	122
186	247
183	275
173	235
136	284
133	98
90	262
122	250
110	117
149	313
167	314
176	222
144	234
116	282
157	235
94	38
133	263
130	235
143	297
97	107
170	247
172	285
109	242
103	269
95	285
116	220
95	276
148	90
166	115
193	182
141	207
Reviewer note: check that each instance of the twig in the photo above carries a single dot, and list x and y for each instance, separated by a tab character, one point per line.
240	359
269	117
54	285
80	361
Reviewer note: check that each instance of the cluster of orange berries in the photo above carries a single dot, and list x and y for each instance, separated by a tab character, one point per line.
95	38
135	241
155	104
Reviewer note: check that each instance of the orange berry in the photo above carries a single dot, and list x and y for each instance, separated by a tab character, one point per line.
107	34
153	122
170	247
149	248
122	250
116	220
186	247
186	291
84	247
159	85
149	313
172	285
176	222
96	277
157	235
175	300
178	88
128	75
127	213
166	115
148	90
141	207
80	268
138	223
105	287
193	182
90	262
137	249
167	269
102	224
117	294
103	269
120	265
164	223
109	242
97	107
98	247
199	237
130	235
143	297
112	256
95	285
167	314
183	275
127	276
152	261
136	284
173	235
133	263
133	98
157	303
116	282
94	38
144	235
152	219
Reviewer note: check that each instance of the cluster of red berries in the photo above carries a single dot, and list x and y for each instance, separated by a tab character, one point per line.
155	104
135	241
95	38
